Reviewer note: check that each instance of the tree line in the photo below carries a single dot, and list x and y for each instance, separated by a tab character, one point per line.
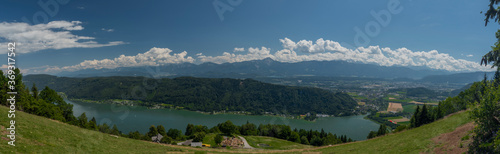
309	137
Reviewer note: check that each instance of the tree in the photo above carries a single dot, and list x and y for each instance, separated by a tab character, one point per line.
115	130
294	137
189	130
135	135
486	115
323	133
152	131
414	119
372	134
104	128
400	128
227	128
93	124
316	141
304	140
285	132
174	133
218	139
82	120
424	116
382	130
161	130
166	140
34	90
198	136
248	129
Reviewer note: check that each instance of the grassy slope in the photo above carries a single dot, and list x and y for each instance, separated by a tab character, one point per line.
410	141
40	135
276	144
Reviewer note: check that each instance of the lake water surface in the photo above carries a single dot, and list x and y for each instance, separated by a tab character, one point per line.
132	118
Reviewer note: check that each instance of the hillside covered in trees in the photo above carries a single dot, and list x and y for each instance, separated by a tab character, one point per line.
202	94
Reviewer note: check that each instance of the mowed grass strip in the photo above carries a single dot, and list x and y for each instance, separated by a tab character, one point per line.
274	143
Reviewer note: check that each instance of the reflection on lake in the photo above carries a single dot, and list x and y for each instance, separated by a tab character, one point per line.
132	118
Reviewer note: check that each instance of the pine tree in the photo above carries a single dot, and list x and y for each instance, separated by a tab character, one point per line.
34	90
152	131
93	124
161	130
115	130
323	134
423	117
382	130
496	79
414	119
82	120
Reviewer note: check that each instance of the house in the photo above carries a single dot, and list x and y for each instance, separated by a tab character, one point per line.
186	143
196	144
157	138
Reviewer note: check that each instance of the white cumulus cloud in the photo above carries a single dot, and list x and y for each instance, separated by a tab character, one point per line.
153	57
107	30
226	57
303	50
52	35
239	49
328	50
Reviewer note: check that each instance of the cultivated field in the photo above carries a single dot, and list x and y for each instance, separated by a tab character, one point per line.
395	107
400	120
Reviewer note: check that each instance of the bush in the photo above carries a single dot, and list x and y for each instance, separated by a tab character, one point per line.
400	128
166	140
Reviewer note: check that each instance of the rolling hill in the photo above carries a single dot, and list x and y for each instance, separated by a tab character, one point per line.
202	94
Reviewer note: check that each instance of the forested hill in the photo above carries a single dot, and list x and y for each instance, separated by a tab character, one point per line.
202	94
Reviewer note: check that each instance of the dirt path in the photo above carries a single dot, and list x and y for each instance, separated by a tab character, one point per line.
450	142
245	143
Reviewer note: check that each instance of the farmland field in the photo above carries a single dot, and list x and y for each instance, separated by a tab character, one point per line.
395	107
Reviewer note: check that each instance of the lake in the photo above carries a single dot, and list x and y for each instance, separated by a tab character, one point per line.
132	118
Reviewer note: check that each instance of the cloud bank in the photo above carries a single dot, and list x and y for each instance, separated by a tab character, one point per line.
327	50
303	50
153	57
52	35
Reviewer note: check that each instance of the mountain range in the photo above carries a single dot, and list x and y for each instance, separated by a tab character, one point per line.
270	68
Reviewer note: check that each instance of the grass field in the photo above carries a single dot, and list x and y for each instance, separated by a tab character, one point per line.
274	143
209	139
390	118
409	108
404	123
41	135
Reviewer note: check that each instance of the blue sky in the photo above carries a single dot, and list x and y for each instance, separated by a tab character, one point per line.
261	27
